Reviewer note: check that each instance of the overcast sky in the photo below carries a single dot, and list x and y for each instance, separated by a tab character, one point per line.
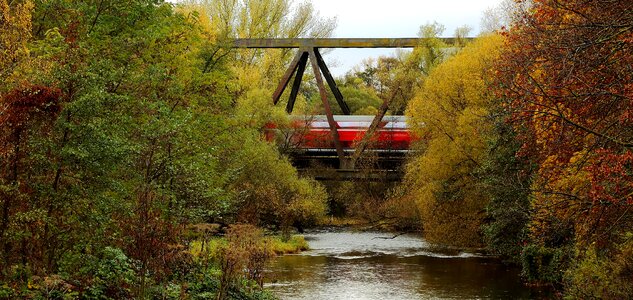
391	19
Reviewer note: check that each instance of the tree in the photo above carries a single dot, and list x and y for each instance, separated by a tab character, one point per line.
116	132
570	85
506	177
29	111
451	113
257	68
396	79
566	72
15	32
361	99
503	15
115	163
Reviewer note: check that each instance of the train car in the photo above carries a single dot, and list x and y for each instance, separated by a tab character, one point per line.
313	132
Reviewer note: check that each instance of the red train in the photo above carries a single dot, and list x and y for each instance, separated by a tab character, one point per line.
313	132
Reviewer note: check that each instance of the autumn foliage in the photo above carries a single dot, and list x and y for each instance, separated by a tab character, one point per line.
26	112
450	111
566	74
124	122
28	105
540	139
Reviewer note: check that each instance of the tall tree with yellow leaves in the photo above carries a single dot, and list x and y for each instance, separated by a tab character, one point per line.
15	32
450	113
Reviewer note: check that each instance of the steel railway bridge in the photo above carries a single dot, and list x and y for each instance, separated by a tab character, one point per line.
339	141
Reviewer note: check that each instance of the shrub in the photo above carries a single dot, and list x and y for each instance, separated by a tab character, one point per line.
243	257
601	276
544	264
114	275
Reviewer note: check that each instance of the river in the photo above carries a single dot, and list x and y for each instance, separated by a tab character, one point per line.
377	265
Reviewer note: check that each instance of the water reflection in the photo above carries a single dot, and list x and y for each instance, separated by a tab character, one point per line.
348	265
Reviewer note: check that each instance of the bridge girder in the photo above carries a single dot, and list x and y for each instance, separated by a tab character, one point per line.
339	42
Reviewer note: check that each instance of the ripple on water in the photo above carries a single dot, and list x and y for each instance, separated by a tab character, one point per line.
373	265
358	245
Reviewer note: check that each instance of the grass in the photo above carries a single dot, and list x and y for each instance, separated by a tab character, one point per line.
341	221
295	244
210	248
206	249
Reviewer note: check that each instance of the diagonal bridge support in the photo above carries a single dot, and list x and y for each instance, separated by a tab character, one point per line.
297	68
308	49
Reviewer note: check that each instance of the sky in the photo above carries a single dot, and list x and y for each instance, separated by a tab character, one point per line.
393	19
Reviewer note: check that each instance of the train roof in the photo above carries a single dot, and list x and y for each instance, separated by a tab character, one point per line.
354	118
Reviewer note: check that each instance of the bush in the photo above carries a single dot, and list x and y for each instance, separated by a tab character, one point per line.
601	276
295	244
242	258
168	291
114	275
6	292
544	264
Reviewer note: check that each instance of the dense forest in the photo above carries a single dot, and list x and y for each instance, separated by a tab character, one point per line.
528	146
131	130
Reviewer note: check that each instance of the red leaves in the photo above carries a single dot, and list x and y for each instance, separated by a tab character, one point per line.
566	76
612	178
21	110
25	105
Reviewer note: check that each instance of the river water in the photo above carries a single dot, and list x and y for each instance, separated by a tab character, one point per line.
375	265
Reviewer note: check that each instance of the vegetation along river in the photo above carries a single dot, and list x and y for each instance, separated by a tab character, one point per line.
377	265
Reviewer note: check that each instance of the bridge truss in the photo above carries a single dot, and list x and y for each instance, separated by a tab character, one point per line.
308	49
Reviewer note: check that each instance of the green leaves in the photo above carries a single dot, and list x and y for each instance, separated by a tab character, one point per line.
149	131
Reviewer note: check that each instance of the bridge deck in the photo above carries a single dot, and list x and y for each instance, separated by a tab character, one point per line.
376	175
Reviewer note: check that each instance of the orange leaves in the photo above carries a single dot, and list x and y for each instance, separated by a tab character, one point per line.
566	74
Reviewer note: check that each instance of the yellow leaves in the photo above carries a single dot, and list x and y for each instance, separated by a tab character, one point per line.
453	104
307	205
570	17
200	15
15	29
255	109
15	33
262	19
548	123
554	210
451	109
